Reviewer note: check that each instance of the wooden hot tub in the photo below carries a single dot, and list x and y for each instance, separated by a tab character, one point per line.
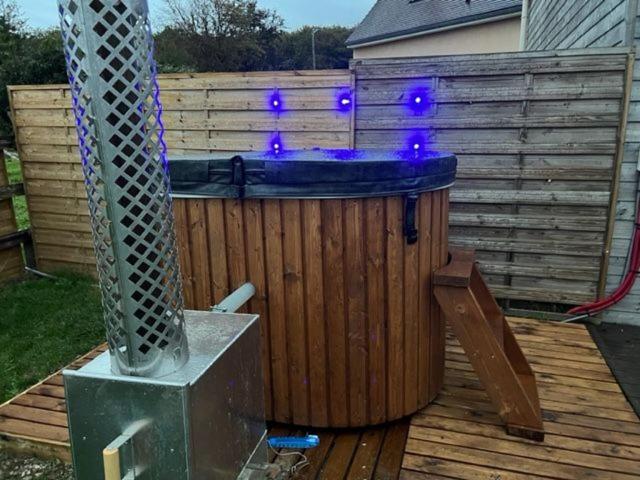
341	246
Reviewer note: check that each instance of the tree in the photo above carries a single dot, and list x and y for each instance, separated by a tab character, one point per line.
294	48
26	57
219	35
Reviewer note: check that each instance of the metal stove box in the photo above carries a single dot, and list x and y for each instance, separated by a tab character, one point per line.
205	421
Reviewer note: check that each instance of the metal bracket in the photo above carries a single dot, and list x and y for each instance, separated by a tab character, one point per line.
236	300
112	454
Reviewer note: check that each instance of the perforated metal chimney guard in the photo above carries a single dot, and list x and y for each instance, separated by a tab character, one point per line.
109	52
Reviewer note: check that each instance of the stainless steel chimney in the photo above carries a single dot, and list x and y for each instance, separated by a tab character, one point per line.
109	51
150	408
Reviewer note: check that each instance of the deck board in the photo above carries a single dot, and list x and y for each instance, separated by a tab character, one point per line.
591	430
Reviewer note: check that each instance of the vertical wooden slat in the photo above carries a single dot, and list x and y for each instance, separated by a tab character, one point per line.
375	245
424	296
252	210
436	342
181	219
236	260
411	321
295	313
217	250
277	321
199	254
395	309
314	304
356	306
332	241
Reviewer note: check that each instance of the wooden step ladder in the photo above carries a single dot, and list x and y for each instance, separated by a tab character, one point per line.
487	339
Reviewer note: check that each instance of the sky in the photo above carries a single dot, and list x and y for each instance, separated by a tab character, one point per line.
296	13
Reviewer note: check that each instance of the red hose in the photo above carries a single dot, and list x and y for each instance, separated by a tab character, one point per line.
627	282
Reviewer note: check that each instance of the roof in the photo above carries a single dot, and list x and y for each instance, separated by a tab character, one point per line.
389	19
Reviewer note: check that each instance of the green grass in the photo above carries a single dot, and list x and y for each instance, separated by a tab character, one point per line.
44	325
19	203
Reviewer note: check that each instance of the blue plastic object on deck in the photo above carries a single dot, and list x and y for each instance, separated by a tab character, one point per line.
298	443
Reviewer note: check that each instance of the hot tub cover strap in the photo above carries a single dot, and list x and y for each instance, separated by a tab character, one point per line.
312	174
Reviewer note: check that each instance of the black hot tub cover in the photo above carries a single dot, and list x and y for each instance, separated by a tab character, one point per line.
312	174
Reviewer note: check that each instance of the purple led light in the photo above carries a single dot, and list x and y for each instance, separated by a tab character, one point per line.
276	144
417	143
419	100
344	101
275	101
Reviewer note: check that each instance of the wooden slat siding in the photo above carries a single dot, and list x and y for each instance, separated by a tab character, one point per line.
276	302
344	301
216	237
535	134
11	264
376	253
566	24
203	113
436	335
181	218
294	280
395	308
235	236
356	296
411	320
332	242
198	248
317	331
425	391
255	248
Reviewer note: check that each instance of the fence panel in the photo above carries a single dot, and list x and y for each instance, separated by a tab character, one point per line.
203	113
536	136
11	264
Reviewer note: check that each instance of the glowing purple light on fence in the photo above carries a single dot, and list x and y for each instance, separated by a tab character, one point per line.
419	100
417	144
275	101
276	144
345	102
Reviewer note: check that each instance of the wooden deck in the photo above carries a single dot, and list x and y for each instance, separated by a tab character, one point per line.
592	432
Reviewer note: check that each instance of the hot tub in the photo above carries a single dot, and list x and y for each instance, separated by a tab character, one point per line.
341	246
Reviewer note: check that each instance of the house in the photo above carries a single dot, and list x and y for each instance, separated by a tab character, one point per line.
407	28
567	24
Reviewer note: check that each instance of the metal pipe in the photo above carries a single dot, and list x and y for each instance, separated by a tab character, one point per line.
236	300
524	25
313	46
109	52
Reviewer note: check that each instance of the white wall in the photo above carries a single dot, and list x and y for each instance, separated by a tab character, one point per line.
500	36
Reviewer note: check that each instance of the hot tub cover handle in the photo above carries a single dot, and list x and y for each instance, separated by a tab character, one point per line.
410	230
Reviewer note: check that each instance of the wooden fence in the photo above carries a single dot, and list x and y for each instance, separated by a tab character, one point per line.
537	135
202	113
11	264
